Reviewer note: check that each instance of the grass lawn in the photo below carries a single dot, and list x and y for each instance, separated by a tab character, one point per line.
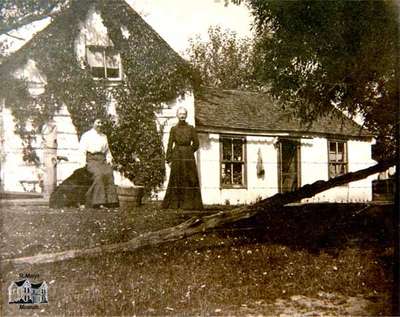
313	259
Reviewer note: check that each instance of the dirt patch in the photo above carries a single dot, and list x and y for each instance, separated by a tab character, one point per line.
325	304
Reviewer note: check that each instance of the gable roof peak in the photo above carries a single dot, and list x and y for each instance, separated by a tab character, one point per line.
136	41
22	282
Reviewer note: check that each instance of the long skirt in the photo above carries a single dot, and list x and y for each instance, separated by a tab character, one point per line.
183	190
102	191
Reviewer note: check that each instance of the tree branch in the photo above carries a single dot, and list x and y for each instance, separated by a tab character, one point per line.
51	12
15	37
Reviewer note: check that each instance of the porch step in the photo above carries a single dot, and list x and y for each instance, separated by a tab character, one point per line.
24	202
19	195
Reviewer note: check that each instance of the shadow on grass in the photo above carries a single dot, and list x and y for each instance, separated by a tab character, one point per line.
324	226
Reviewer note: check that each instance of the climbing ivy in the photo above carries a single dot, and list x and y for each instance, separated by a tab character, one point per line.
153	74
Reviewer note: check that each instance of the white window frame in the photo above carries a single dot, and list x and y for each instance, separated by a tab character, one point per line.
103	49
242	161
337	162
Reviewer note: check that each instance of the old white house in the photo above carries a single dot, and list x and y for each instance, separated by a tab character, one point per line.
25	292
249	147
57	145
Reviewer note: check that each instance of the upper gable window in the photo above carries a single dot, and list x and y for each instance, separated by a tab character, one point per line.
104	62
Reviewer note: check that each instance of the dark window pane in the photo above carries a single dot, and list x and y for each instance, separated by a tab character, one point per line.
340	147
238	150
237	174
332	147
289	158
226	174
98	72
226	149
112	72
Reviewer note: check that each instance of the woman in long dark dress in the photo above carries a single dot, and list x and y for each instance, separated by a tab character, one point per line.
183	187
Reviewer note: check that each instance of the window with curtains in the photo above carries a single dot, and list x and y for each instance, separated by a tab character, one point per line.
104	62
338	164
233	161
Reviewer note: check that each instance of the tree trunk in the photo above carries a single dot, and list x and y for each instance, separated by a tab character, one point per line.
202	224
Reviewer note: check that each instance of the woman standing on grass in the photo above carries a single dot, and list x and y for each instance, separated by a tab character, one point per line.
183	187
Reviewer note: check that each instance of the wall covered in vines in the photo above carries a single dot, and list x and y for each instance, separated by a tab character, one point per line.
153	74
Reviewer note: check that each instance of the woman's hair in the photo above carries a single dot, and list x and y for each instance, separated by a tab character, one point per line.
181	108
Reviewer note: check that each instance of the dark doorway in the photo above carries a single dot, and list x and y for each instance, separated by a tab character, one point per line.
289	165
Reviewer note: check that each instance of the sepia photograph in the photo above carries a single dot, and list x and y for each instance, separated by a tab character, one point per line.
199	157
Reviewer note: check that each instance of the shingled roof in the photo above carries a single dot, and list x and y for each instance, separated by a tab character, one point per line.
20	283
234	110
36	285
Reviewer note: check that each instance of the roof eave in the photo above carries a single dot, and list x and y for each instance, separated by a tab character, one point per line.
265	132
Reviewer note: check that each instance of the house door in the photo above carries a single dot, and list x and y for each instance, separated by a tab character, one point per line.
289	165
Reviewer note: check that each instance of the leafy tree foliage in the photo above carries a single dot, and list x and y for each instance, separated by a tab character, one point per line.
15	14
318	53
225	60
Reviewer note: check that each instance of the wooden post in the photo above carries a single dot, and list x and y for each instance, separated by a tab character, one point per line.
49	158
2	151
